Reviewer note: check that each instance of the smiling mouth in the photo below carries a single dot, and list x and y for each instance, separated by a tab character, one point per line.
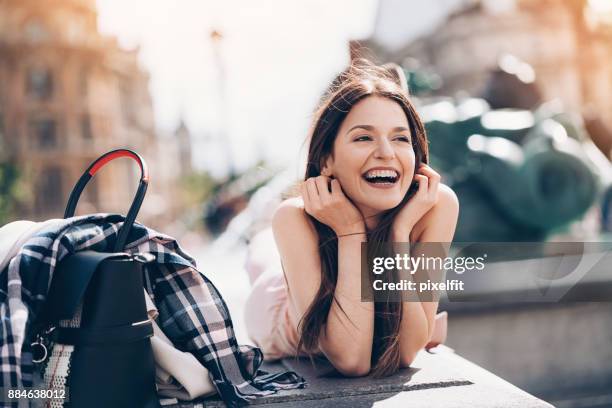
381	177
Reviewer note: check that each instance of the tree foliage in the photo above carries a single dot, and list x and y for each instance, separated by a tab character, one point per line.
9	192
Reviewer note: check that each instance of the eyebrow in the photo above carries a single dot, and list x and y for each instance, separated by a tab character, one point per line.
372	128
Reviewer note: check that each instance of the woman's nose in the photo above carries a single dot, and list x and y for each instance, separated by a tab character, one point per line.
384	150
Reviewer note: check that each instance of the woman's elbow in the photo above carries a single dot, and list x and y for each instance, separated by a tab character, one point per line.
407	357
352	365
409	352
351	360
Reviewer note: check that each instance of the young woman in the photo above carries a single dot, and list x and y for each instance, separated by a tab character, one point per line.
367	179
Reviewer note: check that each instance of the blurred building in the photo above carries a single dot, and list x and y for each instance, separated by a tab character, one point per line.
67	95
183	145
571	56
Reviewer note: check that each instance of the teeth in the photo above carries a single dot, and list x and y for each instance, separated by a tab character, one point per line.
381	173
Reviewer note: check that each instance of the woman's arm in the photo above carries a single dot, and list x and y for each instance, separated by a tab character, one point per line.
437	225
346	339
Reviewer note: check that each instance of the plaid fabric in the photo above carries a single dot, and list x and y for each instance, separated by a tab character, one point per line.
192	312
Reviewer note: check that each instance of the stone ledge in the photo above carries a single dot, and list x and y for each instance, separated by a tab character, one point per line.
439	378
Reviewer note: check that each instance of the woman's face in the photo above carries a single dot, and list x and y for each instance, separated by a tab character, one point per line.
373	157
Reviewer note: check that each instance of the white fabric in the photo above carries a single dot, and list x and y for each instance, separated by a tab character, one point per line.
13	235
177	374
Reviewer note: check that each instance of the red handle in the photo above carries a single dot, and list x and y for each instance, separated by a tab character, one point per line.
115	154
140	193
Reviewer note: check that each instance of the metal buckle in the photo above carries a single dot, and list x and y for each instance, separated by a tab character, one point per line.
144	257
43	350
38	346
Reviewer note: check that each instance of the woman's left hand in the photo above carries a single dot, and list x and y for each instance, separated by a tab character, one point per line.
419	204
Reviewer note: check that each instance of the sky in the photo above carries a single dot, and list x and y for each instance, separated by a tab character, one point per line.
258	86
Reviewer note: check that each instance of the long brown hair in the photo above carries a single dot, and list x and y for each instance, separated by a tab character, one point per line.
360	80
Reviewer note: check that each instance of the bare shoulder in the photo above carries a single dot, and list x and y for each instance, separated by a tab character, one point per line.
447	199
293	202
290	218
444	213
289	211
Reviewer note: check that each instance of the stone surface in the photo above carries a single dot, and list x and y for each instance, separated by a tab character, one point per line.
551	350
437	379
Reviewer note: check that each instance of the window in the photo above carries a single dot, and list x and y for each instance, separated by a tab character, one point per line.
36	32
127	102
39	83
43	133
86	128
2	138
49	195
2	82
83	81
75	31
91	192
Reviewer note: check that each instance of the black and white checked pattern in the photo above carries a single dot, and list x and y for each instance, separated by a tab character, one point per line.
192	312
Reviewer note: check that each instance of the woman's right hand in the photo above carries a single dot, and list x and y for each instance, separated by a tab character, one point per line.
331	208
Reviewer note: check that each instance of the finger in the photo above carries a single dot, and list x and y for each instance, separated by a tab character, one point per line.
434	181
313	194
433	176
423	183
336	189
322	184
305	197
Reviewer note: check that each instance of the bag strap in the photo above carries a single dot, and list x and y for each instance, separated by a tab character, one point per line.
136	203
104	335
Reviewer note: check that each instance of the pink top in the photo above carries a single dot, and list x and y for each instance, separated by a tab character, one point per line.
268	319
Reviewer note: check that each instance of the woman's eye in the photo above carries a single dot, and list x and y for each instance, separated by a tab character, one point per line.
362	138
402	138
